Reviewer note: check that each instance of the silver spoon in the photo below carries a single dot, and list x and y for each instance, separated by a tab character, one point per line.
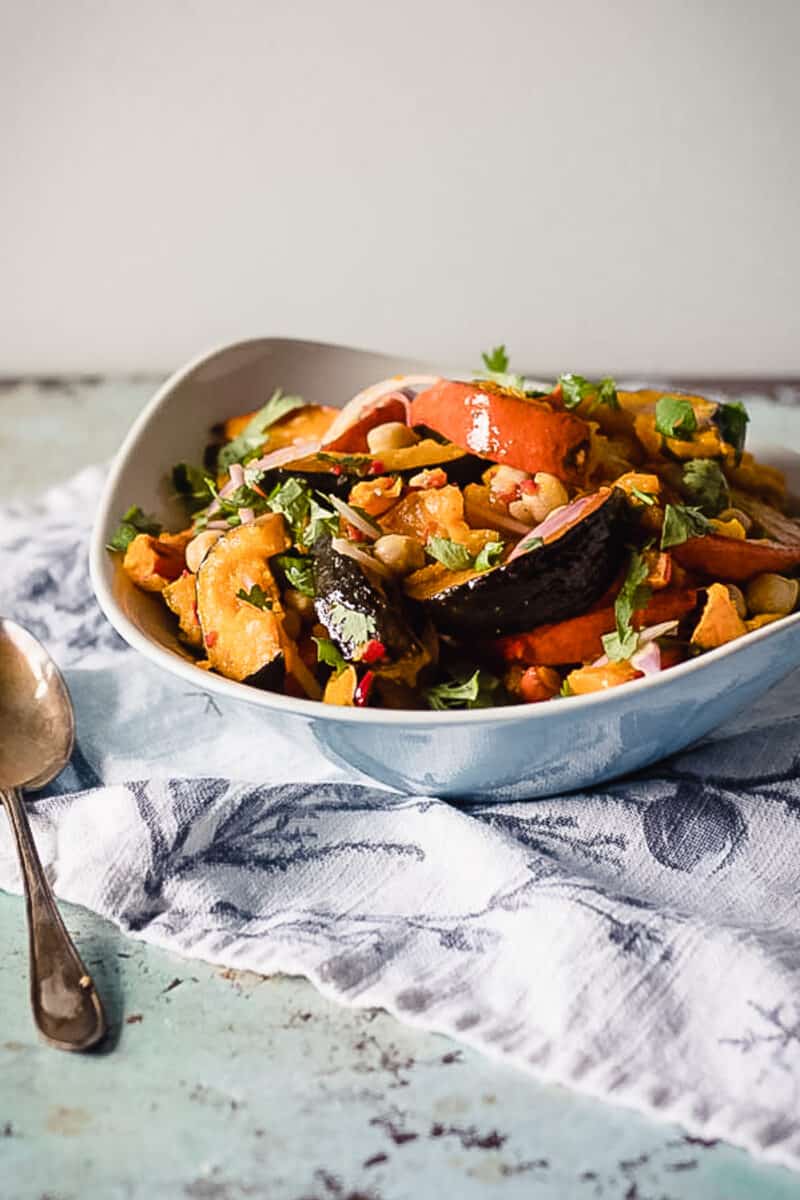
37	730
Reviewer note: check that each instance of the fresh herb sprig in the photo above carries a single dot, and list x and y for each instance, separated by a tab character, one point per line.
456	557
634	594
682	522
675	417
575	389
132	524
256	596
252	437
477	690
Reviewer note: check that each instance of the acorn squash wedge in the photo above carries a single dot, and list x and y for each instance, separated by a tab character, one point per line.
242	640
358	612
558	579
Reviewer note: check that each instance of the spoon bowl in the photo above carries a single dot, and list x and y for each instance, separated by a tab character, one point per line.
37	733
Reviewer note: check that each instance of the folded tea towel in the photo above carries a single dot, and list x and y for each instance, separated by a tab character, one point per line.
640	941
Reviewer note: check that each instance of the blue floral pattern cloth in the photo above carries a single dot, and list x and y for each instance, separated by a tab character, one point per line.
640	941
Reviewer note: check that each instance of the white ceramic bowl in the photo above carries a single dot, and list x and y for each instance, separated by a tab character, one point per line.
506	753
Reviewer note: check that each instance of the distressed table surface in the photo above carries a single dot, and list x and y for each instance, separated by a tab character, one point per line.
217	1085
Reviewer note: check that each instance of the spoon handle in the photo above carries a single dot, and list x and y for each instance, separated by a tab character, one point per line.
66	1007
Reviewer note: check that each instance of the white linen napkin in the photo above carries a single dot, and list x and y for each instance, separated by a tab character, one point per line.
640	941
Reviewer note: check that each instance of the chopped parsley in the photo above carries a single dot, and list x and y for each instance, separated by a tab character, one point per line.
303	513
475	691
256	596
575	389
731	419
705	485
450	554
633	594
456	557
496	360
132	524
299	572
682	522
675	417
329	654
349	626
489	556
193	486
251	439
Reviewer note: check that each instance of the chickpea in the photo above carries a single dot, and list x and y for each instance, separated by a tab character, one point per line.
299	603
770	593
505	482
736	514
400	554
737	596
392	435
199	547
537	500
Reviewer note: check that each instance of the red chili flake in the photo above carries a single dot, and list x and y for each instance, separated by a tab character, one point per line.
185	572
336	470
256	488
374	651
196	615
211	638
352	534
529	487
363	689
376	467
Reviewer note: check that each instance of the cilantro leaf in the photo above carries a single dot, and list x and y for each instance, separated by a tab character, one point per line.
328	654
452	555
675	417
349	626
496	360
705	485
292	498
132	524
256	596
192	485
633	594
476	691
299	572
731	420
681	523
252	436
489	556
575	389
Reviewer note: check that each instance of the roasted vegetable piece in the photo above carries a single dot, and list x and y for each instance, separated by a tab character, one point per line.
720	622
353	439
435	512
506	427
360	615
598	679
560	579
153	562
735	559
306	424
181	598
242	640
459	466
580	638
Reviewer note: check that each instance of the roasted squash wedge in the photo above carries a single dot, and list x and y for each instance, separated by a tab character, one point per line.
242	640
720	622
181	598
153	562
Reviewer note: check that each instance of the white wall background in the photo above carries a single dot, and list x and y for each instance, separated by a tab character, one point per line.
603	185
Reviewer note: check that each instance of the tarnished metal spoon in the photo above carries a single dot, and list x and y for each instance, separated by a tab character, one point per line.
37	730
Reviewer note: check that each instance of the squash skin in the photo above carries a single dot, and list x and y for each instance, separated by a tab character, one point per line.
560	579
242	641
459	465
736	560
181	598
340	581
506	427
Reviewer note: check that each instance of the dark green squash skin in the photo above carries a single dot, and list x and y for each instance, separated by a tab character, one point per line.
559	580
339	580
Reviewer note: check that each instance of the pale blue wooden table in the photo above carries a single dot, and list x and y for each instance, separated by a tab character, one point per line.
216	1085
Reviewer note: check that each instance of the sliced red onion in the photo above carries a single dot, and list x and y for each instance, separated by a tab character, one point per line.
236	473
647	659
286	454
356	408
560	518
656	631
362	524
217	525
342	546
246	516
